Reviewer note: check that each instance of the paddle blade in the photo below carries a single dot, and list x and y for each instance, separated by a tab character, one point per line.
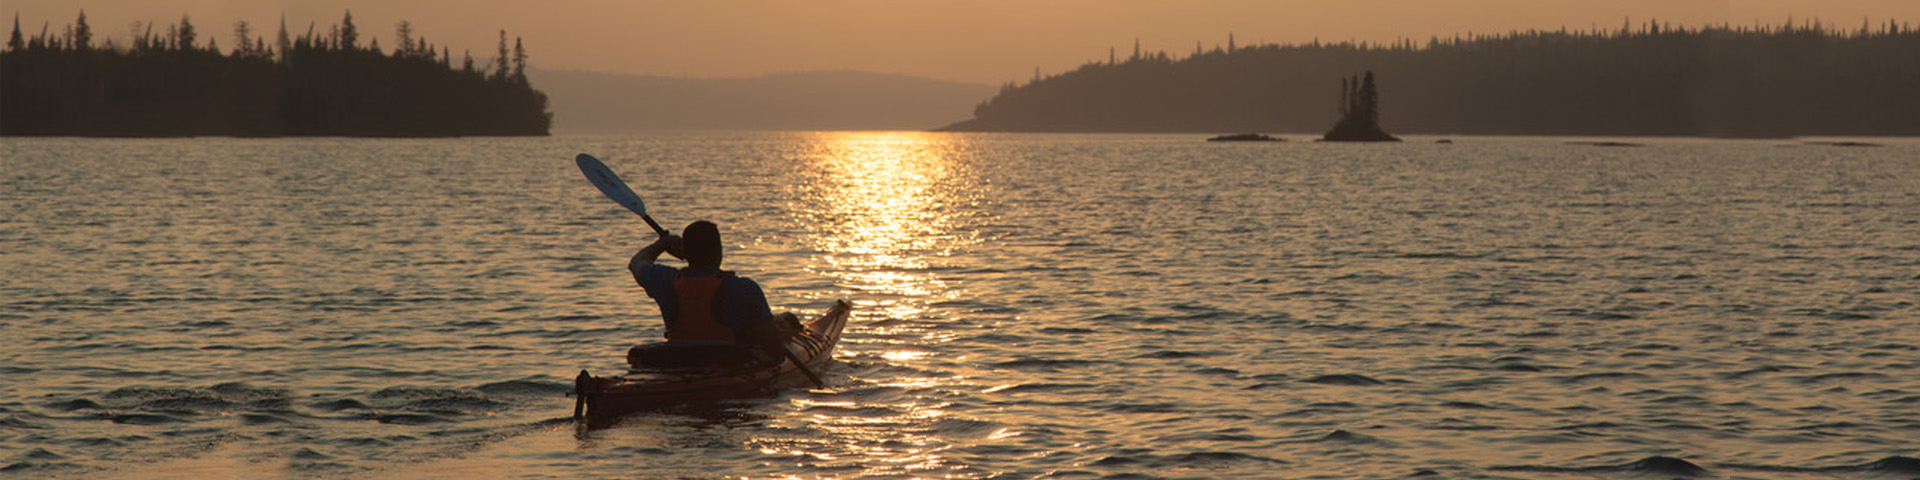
610	184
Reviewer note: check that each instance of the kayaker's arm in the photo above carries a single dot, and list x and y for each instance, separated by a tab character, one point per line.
649	254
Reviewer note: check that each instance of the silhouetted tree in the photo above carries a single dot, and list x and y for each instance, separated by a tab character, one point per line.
281	42
349	35
14	42
519	61
82	34
500	66
185	36
404	32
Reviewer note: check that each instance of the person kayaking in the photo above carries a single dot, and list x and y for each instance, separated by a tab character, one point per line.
709	312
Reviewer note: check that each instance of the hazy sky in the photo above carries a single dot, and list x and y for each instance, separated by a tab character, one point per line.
981	41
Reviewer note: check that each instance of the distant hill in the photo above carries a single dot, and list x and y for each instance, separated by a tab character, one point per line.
1654	80
832	100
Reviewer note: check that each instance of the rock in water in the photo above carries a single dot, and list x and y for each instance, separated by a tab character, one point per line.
1667	466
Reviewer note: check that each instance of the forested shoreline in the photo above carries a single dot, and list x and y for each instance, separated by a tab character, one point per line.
177	82
1645	79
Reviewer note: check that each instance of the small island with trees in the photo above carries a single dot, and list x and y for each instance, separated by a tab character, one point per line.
177	83
1359	113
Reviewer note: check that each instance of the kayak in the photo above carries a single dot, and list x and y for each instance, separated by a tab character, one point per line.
597	399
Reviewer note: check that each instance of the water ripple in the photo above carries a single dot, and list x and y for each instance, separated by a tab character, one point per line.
1029	306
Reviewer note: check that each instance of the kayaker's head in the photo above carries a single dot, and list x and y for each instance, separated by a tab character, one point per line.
700	241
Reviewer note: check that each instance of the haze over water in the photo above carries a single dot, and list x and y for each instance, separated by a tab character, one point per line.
1027	306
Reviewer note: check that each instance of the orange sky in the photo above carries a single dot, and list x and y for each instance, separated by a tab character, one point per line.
981	41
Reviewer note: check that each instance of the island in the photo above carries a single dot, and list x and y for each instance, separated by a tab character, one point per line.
1359	113
1645	78
179	83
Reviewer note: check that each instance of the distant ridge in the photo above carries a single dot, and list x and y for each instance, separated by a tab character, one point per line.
1654	80
826	100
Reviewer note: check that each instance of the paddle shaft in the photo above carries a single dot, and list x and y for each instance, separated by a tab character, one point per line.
803	367
655	225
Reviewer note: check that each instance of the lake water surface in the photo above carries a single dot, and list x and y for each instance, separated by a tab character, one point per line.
1027	306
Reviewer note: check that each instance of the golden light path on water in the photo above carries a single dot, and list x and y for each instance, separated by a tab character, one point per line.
890	206
888	198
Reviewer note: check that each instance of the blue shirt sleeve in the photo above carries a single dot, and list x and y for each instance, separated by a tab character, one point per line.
657	280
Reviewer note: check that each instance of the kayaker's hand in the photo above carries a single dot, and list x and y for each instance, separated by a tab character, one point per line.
648	254
671	244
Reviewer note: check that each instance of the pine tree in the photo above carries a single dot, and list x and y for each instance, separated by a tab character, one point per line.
519	62
500	66
349	36
282	42
1346	98
242	38
185	35
1369	101
403	31
14	42
82	34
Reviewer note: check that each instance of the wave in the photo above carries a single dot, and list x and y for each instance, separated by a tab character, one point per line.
1656	465
526	387
1044	364
1345	380
1187	460
1898	466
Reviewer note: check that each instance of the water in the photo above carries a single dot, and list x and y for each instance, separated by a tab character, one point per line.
1028	306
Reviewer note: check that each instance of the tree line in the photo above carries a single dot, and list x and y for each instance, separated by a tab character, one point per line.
174	83
1648	79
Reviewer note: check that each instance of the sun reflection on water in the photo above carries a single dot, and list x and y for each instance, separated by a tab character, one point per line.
888	206
885	210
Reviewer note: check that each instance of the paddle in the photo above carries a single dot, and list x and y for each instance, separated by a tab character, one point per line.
611	186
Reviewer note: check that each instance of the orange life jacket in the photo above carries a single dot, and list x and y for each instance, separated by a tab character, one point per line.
699	316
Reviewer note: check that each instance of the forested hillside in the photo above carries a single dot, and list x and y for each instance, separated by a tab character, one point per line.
178	82
1649	79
